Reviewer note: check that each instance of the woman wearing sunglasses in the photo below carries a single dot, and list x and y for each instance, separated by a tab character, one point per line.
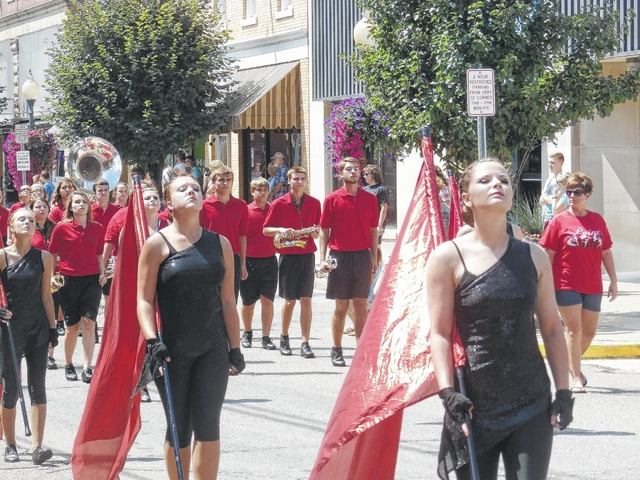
578	242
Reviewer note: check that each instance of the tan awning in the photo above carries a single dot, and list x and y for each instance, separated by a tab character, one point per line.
268	97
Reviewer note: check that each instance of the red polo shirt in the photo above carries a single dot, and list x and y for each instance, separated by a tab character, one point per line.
38	241
350	219
56	215
116	224
227	219
103	215
285	214
77	247
258	244
16	206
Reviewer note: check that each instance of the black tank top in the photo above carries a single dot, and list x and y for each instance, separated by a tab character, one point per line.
22	282
188	290
505	375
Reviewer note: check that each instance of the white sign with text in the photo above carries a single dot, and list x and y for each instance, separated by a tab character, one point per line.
23	161
22	133
481	92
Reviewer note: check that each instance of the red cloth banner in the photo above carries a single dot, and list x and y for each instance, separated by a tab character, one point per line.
111	418
455	216
392	367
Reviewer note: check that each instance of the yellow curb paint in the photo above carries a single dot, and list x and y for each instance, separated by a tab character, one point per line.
607	351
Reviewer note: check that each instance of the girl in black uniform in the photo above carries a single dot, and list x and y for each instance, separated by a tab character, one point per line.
191	271
492	284
26	277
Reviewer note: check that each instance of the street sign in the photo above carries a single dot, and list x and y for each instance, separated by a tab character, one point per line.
23	161
481	92
22	133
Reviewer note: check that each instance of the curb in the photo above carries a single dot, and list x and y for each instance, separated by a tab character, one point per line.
629	350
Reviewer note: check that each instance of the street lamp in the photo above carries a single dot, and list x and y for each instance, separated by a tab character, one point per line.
30	91
362	30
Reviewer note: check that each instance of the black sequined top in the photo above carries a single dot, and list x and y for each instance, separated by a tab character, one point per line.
505	375
22	282
188	290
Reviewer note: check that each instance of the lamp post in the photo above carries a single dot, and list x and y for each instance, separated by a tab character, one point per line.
361	32
30	91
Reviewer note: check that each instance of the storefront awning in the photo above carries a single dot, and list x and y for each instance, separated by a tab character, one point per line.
267	97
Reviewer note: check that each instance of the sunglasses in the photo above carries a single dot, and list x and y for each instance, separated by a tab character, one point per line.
576	193
366	174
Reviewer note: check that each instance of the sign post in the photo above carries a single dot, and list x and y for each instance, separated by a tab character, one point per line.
481	102
22	137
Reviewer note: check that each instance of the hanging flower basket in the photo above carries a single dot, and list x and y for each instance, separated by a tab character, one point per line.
43	148
353	129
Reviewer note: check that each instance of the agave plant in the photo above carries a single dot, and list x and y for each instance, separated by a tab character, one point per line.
526	212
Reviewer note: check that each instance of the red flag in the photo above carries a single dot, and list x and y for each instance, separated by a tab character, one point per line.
3	303
455	217
111	418
391	368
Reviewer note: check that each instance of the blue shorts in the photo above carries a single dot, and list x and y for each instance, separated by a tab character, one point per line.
589	301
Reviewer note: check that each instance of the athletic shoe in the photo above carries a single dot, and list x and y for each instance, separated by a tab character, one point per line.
247	337
51	363
11	454
70	373
144	396
60	328
40	455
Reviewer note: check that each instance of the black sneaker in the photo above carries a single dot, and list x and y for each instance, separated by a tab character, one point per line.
305	350
336	357
267	344
40	455
60	328
70	373
51	363
144	396
87	373
247	337
11	454
285	349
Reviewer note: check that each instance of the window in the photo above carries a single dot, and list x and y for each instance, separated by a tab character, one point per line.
222	8
285	10
221	148
249	9
285	4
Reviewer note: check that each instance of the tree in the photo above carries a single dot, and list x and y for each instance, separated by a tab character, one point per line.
547	67
148	75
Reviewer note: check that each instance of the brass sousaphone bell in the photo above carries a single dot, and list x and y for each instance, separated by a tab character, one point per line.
90	159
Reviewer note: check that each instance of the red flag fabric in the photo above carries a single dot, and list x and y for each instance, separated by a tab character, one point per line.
3	303
111	418
391	368
455	216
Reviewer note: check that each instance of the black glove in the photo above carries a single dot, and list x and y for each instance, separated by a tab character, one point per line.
53	337
455	404
236	359
3	312
563	407
156	353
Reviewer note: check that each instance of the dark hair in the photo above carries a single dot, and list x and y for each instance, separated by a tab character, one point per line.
68	212
97	183
45	175
57	195
375	172
47	230
181	155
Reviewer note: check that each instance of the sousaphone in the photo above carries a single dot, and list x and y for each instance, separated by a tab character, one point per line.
90	159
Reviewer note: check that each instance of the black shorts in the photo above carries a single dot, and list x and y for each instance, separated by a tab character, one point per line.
57	303
106	288
296	276
262	280
352	277
81	298
237	275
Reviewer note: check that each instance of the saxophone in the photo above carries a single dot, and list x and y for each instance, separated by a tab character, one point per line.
281	240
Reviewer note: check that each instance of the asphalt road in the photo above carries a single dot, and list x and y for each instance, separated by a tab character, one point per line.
275	415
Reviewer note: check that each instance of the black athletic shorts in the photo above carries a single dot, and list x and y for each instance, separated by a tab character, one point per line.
81	298
262	280
106	288
296	276
352	277
237	275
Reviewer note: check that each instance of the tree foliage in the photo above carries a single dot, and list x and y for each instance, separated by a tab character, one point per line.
547	67
146	75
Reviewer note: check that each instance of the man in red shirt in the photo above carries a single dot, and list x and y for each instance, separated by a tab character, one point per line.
295	211
25	199
226	215
262	266
350	229
102	212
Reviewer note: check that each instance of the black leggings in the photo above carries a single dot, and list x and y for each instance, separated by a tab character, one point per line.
36	373
198	387
525	453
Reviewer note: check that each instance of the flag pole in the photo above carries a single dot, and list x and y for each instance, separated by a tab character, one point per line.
4	303
459	356
143	233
